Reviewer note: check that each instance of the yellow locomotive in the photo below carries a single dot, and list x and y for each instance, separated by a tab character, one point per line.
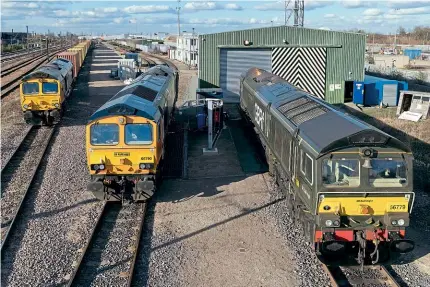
125	137
44	91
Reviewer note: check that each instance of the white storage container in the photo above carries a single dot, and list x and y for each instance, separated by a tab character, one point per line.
127	62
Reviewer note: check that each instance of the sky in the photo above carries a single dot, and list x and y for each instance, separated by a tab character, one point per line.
118	17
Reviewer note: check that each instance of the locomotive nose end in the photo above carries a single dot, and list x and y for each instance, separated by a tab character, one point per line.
402	246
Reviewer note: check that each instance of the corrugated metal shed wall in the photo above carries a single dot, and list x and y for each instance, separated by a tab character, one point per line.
349	57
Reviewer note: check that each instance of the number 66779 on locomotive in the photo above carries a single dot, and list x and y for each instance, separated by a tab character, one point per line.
349	183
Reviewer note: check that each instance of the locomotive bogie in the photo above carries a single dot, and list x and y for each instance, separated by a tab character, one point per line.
349	184
125	138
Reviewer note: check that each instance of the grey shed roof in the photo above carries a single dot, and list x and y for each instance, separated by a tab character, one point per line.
140	97
320	124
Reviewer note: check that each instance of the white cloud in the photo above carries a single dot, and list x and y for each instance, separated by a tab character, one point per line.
135	9
118	20
372	12
355	4
107	10
201	6
330	16
232	6
62	13
132	21
20	5
324	28
313	4
407	3
390	16
280	5
226	21
410	11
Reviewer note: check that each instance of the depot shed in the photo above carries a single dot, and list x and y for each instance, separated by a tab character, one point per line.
318	61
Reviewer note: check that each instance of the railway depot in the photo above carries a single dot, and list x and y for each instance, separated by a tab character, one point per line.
216	219
320	62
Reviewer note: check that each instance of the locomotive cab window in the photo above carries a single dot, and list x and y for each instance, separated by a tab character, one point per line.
49	88
30	88
140	134
341	172
387	173
306	164
104	134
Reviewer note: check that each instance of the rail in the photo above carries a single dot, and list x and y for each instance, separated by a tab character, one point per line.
80	274
371	275
24	63
21	152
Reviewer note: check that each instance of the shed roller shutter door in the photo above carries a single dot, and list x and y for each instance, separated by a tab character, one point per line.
234	62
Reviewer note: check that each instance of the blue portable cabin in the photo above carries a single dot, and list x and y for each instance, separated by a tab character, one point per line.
358	92
382	91
412	53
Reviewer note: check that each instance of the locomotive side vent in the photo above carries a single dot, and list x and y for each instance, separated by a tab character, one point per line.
302	110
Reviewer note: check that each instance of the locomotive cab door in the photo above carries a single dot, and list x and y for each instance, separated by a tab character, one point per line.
293	163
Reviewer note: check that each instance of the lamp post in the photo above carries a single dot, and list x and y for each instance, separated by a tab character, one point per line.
395	32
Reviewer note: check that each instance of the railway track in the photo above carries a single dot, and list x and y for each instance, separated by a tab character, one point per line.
15	190
24	63
8	87
110	254
372	275
160	61
6	57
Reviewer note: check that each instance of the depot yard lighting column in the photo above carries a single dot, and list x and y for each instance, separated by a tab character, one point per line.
47	48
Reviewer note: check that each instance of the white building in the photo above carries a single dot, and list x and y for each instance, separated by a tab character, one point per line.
187	49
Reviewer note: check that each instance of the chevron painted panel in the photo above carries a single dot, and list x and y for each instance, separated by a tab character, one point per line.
302	67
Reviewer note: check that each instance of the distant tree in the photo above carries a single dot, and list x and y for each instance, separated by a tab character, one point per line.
401	31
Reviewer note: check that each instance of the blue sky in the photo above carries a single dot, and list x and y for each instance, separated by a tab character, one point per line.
115	17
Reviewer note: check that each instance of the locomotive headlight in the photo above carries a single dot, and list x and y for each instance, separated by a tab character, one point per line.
25	106
336	223
400	222
394	222
328	223
96	167
102	167
56	105
145	166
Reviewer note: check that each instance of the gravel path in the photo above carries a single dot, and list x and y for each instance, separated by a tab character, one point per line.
59	212
306	264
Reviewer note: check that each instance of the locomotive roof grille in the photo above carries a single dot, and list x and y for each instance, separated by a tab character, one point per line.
302	110
323	127
140	91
